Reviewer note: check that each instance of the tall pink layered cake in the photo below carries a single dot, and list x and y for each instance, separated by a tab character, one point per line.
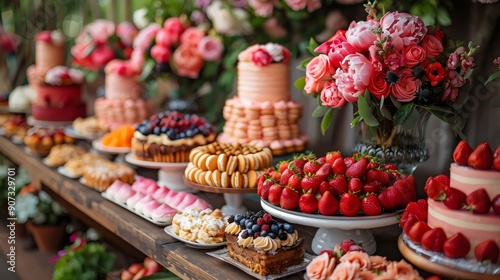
123	103
58	89
263	114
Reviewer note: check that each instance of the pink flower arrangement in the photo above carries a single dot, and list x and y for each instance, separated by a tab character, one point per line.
263	55
395	63
102	41
349	261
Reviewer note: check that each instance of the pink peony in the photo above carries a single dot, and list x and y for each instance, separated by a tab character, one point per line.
406	87
127	32
160	53
188	61
354	76
361	34
100	30
192	36
414	55
320	267
378	86
261	57
145	37
296	5
338	54
432	46
263	8
403	28
211	48
362	258
174	27
346	271
331	97
318	71
394	60
334	42
274	29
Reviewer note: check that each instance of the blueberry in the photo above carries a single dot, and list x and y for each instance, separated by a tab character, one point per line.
255	227
280	225
263	233
144	122
250	232
163	129
243	221
157	130
282	235
157	122
196	131
271	235
136	126
144	130
189	133
249	224
274	228
171	134
182	135
288	227
238	218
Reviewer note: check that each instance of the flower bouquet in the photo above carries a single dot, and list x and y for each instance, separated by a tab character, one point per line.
100	42
395	71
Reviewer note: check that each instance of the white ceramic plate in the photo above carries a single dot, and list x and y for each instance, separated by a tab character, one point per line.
97	144
170	231
62	170
222	255
70	131
171	166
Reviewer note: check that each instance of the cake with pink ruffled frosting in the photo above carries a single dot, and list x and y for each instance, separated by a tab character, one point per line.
263	113
123	103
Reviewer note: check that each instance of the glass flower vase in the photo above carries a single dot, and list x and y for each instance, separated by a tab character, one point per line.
402	145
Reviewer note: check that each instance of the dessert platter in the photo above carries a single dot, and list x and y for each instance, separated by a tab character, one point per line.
344	197
86	129
164	142
117	142
229	169
200	229
262	246
74	167
456	231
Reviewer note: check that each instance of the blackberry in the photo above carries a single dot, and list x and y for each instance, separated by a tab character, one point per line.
230	219
244	234
282	235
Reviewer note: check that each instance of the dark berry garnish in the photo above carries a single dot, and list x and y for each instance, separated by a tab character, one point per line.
255	227
230	219
263	233
238	218
157	130
265	227
274	228
250	232
288	227
261	222
282	235
249	224
257	234
272	235
244	234
267	218
243	222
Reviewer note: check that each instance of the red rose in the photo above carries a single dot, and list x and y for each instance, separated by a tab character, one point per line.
413	55
378	86
406	87
432	46
436	73
261	58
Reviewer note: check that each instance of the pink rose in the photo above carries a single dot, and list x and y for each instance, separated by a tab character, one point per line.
102	55
192	36
403	28
378	86
334	42
362	258
160	53
261	57
274	29
174	27
210	48
402	270
127	32
263	8
406	87
346	271
366	275
318	71
432	46
361	34
394	60
414	55
145	37
188	61
378	262
320	267
313	5
331	97
354	76
246	55
296	5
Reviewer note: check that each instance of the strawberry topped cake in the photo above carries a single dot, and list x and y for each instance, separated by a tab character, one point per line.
123	103
263	113
461	218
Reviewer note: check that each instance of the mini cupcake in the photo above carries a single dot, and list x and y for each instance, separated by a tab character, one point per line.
277	148
299	144
289	146
266	108
281	110
268	120
294	111
269	134
284	132
294	130
252	112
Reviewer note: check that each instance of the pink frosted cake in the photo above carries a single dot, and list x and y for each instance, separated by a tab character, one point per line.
263	114
123	103
49	50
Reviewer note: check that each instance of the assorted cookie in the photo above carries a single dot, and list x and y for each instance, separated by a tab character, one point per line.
201	226
60	154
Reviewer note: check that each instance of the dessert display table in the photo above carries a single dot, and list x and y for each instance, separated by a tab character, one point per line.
118	151
232	196
333	229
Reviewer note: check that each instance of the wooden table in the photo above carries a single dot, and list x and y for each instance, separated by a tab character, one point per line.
186	262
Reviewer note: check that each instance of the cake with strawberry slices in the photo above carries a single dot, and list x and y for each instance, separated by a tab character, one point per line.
123	103
262	243
263	113
463	212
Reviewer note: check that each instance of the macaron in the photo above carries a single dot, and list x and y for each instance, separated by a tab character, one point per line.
222	162
216	178
243	163
232	165
211	162
225	180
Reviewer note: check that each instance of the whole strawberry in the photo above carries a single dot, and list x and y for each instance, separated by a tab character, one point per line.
310	183
378	178
339	183
289	199
324	171
350	204
355	185
456	246
294	182
390	198
328	205
357	169
481	157
487	250
433	188
434	239
263	190
332	156
285	175
311	167
495	203
478	201
308	203
496	158
339	167
282	165
417	231
462	152
455	199
370	205
417	210
275	194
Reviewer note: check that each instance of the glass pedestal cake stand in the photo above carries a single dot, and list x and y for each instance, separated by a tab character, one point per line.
333	229
232	196
170	174
438	263
110	151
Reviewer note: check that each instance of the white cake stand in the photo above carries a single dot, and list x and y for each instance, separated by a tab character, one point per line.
232	196
334	229
70	131
120	152
170	174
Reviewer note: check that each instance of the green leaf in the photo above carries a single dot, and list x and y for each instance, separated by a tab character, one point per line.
492	77
402	113
468	74
443	17
300	83
355	121
320	111
395	102
326	121
148	68
365	111
303	64
385	112
312	46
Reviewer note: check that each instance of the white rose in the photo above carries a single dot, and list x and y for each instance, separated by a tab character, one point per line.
275	50
229	22
140	19
57	37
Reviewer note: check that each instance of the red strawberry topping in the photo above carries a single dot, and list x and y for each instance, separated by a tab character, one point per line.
462	152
